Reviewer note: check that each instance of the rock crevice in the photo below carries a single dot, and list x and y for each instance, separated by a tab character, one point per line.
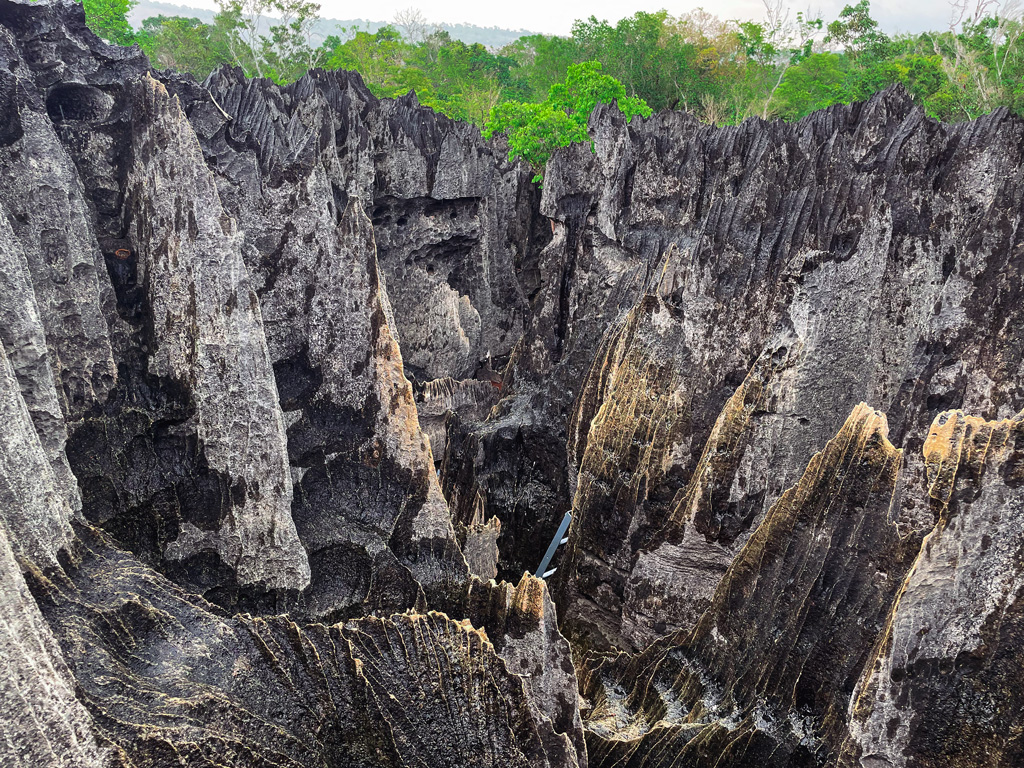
296	385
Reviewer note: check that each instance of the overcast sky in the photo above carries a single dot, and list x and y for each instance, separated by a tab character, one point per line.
554	17
557	17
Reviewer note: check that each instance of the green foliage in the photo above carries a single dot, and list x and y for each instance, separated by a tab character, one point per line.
586	86
284	52
824	79
541	61
462	81
817	82
469	81
535	130
633	52
857	32
109	19
540	90
378	57
186	45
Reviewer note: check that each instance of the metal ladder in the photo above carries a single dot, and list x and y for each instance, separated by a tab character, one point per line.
559	539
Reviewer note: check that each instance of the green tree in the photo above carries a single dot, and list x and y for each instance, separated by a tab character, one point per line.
772	48
186	45
535	130
817	82
470	81
824	79
857	32
380	58
541	61
270	38
109	19
633	52
535	90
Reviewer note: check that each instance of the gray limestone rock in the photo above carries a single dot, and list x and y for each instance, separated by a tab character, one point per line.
169	680
944	686
334	365
34	507
42	722
22	333
206	338
861	254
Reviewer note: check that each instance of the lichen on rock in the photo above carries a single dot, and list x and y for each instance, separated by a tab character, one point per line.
296	385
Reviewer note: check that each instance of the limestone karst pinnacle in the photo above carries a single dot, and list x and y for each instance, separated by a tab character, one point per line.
296	384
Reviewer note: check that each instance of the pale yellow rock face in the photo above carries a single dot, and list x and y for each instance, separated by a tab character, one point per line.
762	668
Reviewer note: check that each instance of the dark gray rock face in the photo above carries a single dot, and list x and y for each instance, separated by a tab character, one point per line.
301	168
945	683
168	681
790	272
289	375
44	723
200	364
207	338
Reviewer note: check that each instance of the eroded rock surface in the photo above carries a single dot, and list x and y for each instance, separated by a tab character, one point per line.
862	254
168	680
292	377
944	686
207	338
763	677
207	343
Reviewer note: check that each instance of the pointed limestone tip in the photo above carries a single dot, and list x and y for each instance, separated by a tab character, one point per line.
868	422
955	439
528	599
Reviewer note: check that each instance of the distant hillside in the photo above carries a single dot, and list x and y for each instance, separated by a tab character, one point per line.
493	37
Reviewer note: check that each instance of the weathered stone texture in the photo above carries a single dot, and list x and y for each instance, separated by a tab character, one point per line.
205	335
33	506
168	681
776	655
864	253
42	722
212	350
333	364
944	686
23	336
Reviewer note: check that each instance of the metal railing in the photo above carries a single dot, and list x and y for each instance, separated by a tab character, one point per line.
559	539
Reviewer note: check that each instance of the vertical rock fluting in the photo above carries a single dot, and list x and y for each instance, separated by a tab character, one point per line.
450	214
295	166
48	212
452	222
320	294
205	336
52	290
168	681
626	445
21	332
864	253
522	624
765	676
42	722
33	506
252	320
944	686
710	517
184	454
369	507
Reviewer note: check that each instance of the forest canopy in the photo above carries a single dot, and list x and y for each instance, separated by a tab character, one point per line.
540	89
